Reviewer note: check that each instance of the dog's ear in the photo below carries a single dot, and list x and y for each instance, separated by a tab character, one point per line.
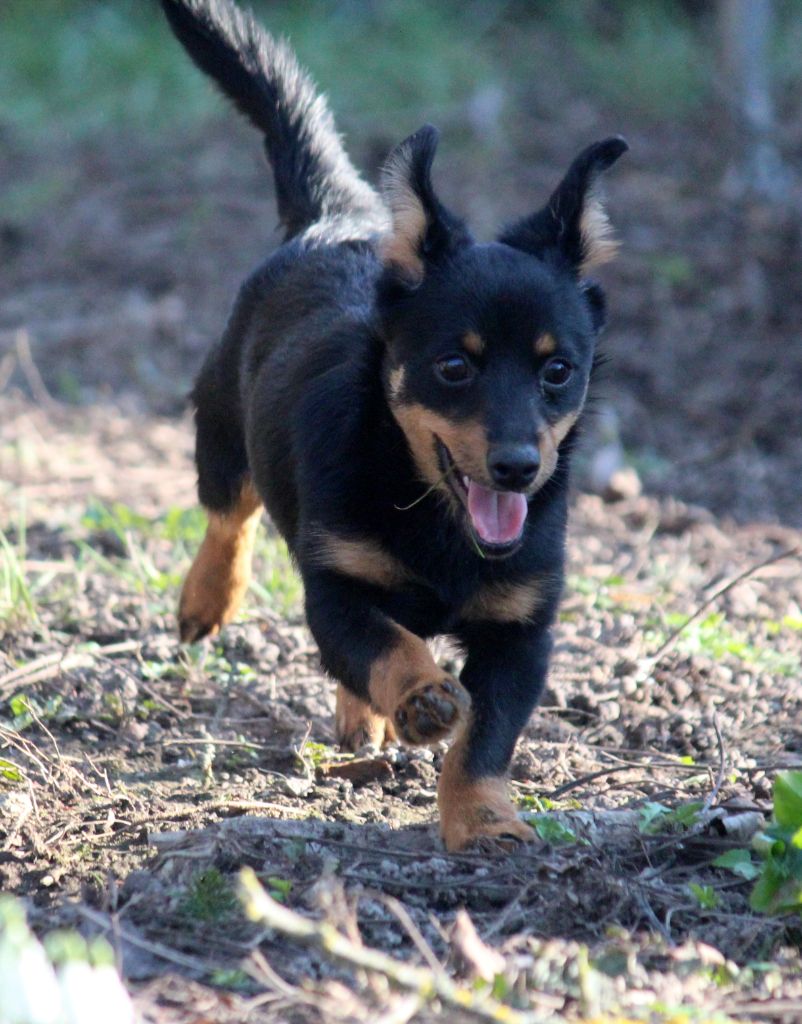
423	230
573	225
596	300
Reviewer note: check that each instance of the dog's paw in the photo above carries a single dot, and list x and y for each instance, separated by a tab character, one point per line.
485	828
477	812
358	725
213	590
431	710
207	604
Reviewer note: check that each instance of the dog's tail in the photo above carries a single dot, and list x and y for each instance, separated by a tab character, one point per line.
315	180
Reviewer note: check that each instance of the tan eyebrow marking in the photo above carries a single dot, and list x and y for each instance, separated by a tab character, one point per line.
396	382
545	345
473	343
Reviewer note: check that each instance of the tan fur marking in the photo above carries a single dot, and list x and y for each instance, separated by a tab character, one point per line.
423	702
466	441
598	244
473	809
358	724
504	602
473	343
400	247
545	345
395	381
221	571
363	559
549	441
403	667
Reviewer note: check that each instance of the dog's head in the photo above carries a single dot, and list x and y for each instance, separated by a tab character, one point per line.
490	347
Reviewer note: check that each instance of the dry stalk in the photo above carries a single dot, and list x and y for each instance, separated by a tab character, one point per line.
427	984
50	666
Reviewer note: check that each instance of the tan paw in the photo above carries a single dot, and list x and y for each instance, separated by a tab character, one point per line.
484	827
212	594
219	576
358	725
430	711
476	811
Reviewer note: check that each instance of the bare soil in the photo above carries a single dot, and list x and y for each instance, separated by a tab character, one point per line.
148	775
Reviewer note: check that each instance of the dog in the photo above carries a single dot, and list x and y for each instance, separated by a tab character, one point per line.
403	401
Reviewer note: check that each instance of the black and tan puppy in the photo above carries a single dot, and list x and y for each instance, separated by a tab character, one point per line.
403	401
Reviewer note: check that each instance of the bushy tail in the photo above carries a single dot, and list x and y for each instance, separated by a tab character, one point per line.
315	180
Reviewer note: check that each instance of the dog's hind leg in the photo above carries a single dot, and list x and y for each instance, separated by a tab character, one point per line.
357	724
221	571
220	574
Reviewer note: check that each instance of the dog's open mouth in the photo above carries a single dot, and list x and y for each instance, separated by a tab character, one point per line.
496	518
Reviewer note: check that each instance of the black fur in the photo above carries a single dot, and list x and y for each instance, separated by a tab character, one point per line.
299	391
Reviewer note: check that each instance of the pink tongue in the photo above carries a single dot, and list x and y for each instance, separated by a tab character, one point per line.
497	516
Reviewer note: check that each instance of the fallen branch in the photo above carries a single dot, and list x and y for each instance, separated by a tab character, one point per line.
426	983
52	665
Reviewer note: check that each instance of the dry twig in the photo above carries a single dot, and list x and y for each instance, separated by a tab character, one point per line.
428	984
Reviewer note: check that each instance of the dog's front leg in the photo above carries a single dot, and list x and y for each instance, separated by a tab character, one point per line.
504	675
380	663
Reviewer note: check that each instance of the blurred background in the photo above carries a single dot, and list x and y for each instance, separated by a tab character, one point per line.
133	202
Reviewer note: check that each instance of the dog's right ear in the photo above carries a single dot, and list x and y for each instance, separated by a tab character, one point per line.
423	230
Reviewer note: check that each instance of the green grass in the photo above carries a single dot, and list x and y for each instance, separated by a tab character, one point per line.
17	602
154	557
81	67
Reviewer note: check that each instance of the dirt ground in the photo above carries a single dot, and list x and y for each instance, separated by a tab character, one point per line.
144	776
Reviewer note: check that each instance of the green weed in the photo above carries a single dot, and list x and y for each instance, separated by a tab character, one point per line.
9	772
716	638
16	599
210	897
552	830
779	887
655	817
705	895
279	888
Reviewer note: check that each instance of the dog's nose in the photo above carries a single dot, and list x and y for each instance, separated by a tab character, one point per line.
513	467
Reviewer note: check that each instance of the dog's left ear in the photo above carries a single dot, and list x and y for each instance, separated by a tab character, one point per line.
423	231
573	225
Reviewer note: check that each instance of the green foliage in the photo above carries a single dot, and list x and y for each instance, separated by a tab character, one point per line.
279	888
209	897
82	67
656	817
779	888
705	895
85	67
551	830
9	772
25	710
715	637
230	977
739	862
16	599
177	534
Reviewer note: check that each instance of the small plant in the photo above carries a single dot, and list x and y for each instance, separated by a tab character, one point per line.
210	897
656	817
279	888
9	772
705	895
779	887
16	599
739	862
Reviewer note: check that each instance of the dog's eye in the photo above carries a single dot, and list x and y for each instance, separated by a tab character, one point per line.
454	369
557	373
